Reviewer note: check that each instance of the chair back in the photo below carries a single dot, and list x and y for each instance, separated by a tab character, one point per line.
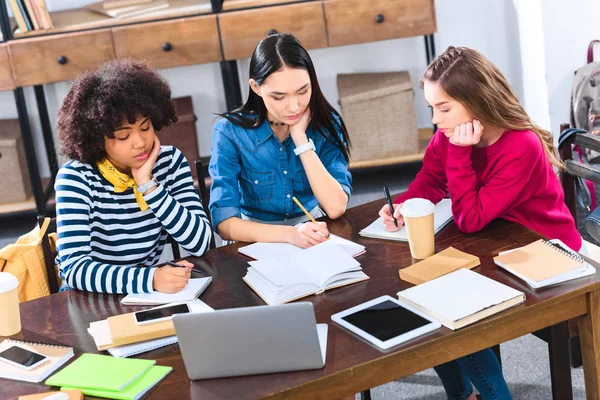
575	169
204	194
49	255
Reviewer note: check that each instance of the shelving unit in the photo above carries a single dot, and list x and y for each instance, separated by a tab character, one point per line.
189	32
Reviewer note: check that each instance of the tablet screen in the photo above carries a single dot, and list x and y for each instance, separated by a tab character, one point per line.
386	320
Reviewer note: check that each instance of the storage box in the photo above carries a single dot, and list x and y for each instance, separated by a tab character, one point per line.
182	134
14	175
379	112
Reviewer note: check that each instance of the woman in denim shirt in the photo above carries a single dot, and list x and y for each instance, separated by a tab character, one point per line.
286	141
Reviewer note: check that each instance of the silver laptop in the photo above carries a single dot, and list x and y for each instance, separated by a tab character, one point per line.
251	340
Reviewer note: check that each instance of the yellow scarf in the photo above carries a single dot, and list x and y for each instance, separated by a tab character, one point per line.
121	181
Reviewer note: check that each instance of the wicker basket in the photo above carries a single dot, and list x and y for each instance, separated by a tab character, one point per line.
14	180
379	112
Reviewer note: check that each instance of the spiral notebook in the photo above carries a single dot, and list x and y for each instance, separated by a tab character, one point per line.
544	263
57	356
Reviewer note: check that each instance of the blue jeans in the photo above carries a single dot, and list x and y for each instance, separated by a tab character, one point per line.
480	369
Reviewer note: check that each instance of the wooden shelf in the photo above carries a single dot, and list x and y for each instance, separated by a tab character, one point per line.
239	4
81	18
425	135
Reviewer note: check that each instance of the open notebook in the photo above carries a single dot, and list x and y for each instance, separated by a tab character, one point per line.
261	251
544	263
441	217
461	298
57	355
325	266
194	288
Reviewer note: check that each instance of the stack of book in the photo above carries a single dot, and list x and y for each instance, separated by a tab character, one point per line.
123	337
113	378
31	15
127	8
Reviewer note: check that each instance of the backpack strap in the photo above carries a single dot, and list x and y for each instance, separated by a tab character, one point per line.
566	134
590	54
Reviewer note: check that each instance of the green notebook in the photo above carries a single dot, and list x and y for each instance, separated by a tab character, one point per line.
134	391
95	371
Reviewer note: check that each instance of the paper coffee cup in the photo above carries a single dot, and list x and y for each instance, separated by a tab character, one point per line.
418	218
10	317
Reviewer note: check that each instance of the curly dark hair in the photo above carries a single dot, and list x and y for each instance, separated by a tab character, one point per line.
99	101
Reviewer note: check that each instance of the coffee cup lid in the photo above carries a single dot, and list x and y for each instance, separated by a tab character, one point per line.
417	207
7	282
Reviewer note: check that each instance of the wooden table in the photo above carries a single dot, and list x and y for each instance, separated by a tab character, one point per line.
352	364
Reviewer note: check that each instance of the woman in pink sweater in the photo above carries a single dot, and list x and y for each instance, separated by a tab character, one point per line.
493	162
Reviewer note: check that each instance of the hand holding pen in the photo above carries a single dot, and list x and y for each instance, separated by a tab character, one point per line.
310	233
390	213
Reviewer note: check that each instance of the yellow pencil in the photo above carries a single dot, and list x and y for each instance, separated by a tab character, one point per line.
305	212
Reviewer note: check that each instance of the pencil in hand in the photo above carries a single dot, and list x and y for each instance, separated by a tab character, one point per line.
306	212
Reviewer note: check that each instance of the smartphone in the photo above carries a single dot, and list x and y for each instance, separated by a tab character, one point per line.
160	314
22	358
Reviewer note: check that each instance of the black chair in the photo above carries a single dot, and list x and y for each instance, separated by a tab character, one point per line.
49	255
574	170
204	193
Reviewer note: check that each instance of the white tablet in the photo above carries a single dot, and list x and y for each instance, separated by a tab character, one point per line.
385	321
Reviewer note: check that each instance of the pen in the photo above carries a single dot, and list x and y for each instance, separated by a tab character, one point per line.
386	191
305	212
172	264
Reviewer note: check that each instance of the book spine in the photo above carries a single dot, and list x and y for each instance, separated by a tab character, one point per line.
26	15
32	15
44	14
19	16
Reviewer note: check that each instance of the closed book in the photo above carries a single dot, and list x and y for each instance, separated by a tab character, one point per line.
194	288
110	4
57	356
442	215
261	251
442	263
130	11
461	298
136	389
95	371
74	394
44	14
544	263
322	267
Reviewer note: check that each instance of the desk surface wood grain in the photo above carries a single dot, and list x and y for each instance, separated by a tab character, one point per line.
352	364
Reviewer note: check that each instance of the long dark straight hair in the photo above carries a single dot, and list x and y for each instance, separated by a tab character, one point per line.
271	55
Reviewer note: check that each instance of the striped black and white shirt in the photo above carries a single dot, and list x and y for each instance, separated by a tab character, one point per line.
106	243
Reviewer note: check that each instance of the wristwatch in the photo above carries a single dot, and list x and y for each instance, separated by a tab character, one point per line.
148	185
305	147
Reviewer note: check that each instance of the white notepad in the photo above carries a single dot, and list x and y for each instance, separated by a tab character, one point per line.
193	289
461	298
441	217
261	251
310	271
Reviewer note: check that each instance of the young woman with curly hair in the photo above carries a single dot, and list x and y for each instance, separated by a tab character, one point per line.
122	192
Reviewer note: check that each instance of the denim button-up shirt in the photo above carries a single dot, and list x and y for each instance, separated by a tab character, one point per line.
255	174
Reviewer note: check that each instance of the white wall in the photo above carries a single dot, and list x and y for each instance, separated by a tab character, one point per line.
569	26
488	26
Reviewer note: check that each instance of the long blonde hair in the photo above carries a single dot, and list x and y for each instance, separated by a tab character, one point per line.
470	78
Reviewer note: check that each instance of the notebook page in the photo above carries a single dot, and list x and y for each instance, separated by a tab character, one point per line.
193	289
262	251
325	261
282	272
442	215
